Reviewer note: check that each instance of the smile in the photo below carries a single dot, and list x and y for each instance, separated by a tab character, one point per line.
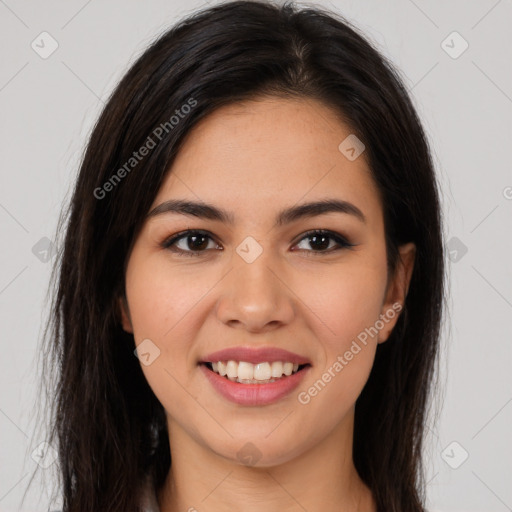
253	392
248	373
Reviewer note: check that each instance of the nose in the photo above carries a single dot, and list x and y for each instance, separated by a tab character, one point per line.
255	296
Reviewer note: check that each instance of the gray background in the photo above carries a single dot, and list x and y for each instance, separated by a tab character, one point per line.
48	107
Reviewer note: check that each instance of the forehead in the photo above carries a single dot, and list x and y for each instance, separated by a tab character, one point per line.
268	153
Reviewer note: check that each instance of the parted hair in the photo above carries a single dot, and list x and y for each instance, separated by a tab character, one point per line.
105	422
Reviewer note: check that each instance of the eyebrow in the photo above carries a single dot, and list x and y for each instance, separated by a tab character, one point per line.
286	216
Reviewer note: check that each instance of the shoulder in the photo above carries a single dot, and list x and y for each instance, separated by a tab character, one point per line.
149	502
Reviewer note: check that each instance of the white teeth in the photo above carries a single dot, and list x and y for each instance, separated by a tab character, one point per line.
232	369
277	369
245	370
221	368
249	373
262	371
287	368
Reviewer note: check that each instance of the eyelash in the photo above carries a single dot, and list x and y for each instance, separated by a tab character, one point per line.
341	241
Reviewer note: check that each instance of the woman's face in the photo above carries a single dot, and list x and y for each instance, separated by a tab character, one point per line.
256	283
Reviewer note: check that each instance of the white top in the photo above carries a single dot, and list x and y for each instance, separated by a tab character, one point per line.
149	501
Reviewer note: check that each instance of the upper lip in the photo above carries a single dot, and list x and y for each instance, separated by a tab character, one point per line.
255	355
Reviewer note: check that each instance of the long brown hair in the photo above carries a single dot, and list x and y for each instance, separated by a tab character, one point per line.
106	423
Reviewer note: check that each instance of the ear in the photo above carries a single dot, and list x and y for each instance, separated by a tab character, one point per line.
124	314
397	289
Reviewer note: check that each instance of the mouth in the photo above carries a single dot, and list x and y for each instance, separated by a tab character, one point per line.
254	376
264	372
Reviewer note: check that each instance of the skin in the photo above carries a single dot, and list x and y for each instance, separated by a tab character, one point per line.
255	159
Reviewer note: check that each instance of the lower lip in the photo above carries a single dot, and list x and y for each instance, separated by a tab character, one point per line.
254	394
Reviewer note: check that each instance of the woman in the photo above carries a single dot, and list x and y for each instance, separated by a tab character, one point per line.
250	291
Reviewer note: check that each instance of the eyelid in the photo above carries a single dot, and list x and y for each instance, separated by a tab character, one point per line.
167	243
341	240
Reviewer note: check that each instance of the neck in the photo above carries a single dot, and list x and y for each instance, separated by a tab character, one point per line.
320	478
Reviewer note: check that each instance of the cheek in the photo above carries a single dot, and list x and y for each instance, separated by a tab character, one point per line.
350	309
349	347
348	303
163	308
161	298
156	310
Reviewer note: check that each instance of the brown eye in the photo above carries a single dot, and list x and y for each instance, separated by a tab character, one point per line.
192	242
320	241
